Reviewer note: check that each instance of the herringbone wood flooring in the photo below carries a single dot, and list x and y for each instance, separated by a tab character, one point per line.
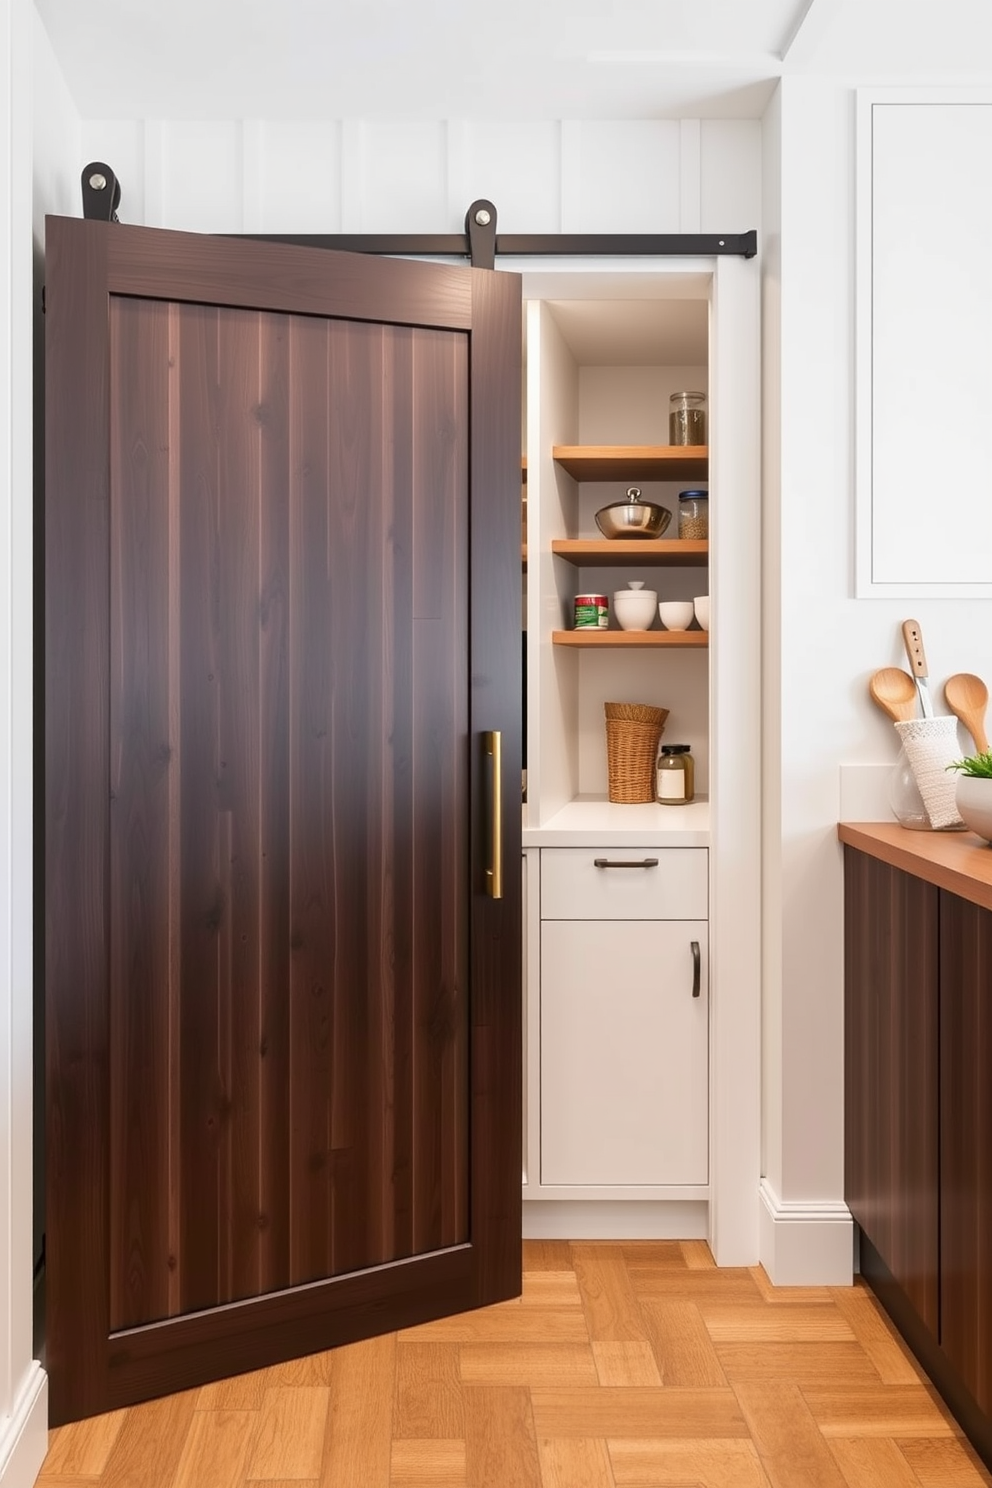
622	1366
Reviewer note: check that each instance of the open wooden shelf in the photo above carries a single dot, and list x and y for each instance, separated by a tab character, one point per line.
640	639
603	462
627	552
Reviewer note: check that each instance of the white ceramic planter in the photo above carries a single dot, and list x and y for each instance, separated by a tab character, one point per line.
973	797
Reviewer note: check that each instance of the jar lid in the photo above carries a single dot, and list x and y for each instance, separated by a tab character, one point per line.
693	495
675	748
673	397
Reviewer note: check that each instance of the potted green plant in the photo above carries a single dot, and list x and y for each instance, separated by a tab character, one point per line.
973	795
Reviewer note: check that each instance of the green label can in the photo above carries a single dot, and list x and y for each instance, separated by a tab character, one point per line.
591	612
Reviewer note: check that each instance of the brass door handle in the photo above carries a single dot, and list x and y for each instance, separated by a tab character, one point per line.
492	743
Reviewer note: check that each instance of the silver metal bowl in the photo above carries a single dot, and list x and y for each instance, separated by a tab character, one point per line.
633	517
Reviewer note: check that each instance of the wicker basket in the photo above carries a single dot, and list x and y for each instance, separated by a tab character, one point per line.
632	734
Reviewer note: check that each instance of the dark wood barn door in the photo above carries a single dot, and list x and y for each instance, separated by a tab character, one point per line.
283	1006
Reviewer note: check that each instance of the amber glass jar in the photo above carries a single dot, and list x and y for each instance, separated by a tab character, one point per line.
676	775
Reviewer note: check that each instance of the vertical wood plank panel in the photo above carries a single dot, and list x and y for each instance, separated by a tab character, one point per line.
310	807
275	872
399	576
204	894
440	782
966	1143
141	765
890	1039
238	785
354	539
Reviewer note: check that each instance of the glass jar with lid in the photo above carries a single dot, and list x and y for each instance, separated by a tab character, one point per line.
694	514
687	418
675	775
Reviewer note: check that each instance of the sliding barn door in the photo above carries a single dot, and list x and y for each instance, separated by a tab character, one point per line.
283	1004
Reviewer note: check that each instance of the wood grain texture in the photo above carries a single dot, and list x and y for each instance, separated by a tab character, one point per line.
599	462
645	1464
891	1071
966	1145
433	1463
147	1450
871	1462
473	1413
877	1337
567	1463
216	1450
360	1415
957	861
786	1435
611	1309
626	1364
291	627
943	1462
500	1442
528	1364
83	1449
683	1345
428	1392
289	1437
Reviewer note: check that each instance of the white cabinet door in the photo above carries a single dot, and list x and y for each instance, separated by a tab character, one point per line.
624	1053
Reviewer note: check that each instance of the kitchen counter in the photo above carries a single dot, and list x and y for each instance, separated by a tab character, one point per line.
960	862
593	821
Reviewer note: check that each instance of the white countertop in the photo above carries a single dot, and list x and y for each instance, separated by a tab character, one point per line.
593	821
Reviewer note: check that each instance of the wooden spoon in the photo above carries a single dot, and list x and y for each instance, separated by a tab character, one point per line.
895	693
967	697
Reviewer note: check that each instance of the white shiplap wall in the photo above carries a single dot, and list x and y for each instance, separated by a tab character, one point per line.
356	175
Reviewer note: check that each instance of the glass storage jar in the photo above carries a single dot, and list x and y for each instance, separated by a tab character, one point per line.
675	775
687	418
694	514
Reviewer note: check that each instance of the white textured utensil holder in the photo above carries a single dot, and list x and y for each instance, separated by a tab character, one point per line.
931	744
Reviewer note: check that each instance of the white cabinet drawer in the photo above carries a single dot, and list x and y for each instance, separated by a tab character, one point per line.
586	883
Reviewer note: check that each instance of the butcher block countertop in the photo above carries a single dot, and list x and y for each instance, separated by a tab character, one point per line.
958	861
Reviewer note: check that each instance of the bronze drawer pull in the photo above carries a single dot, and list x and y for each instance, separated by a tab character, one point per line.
625	863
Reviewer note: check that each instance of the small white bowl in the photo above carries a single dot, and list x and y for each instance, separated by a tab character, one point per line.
973	798
701	605
634	607
675	614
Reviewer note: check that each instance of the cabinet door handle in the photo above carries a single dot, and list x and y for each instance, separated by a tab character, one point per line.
625	863
492	743
694	947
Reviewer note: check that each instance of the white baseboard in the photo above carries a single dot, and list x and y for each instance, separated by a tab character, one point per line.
24	1433
638	1219
805	1244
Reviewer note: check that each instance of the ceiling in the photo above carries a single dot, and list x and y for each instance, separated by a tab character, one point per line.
502	60
520	59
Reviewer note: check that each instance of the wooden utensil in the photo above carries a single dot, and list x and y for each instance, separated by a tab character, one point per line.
913	636
967	697
895	693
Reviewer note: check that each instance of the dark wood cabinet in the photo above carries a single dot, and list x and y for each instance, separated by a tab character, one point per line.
918	1114
966	1143
890	1034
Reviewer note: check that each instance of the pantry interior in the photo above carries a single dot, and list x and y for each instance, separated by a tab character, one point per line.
641	921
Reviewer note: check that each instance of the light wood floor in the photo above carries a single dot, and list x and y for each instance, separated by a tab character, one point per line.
622	1366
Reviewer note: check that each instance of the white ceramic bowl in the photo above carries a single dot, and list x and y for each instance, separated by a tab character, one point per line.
635	607
701	605
675	614
973	797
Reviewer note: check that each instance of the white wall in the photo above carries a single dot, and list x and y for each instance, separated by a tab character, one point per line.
821	643
352	175
23	1404
36	101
